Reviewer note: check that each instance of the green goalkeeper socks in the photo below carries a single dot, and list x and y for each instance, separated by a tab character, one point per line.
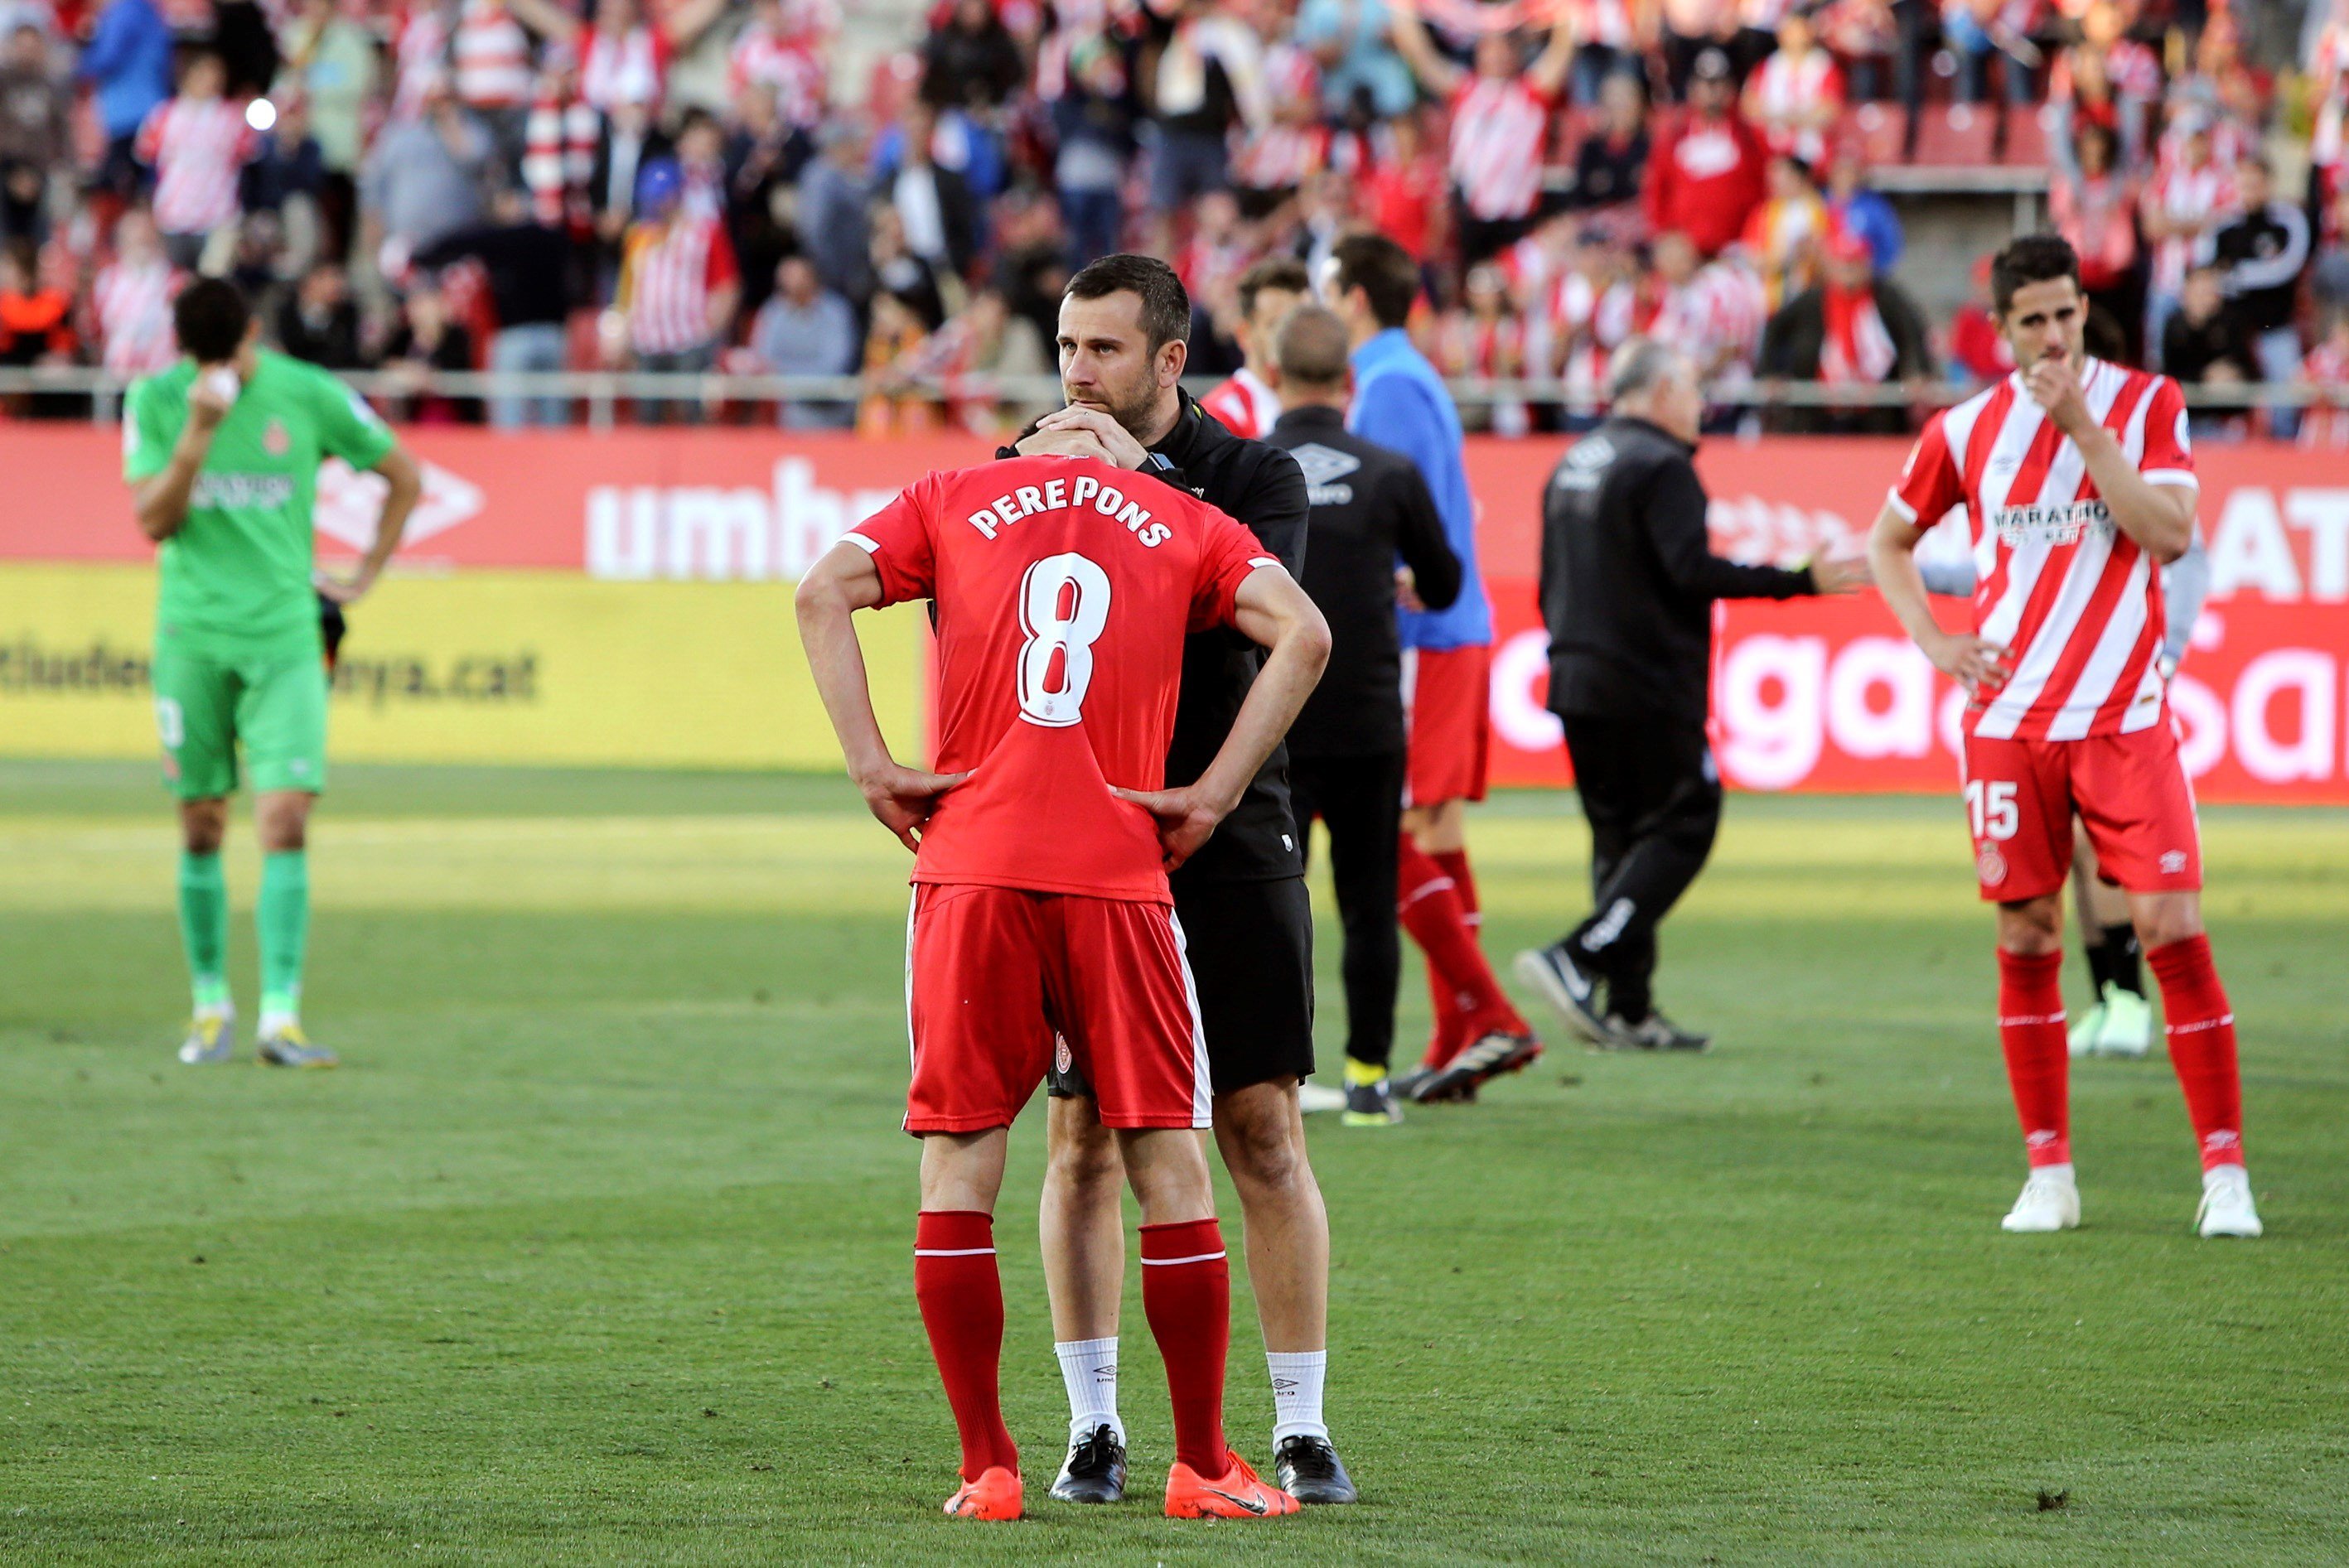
282	921
204	928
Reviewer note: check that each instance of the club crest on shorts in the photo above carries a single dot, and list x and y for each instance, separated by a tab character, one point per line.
2172	862
1063	1057
274	439
1989	865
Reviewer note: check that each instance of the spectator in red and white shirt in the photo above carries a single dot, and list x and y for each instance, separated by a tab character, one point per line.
2106	78
678	282
479	50
1794	99
1292	146
623	57
1705	178
1402	196
784	47
2094	206
197	143
1500	125
2326	370
1487	340
2189	195
130	303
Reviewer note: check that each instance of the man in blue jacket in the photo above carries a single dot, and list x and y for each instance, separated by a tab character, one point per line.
1400	402
128	64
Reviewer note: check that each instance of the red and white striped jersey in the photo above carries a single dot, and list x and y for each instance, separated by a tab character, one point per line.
131	306
2177	192
492	57
2078	601
1281	156
1243	405
2326	422
1787	92
792	66
630	67
196	147
1715	318
1498	128
669	273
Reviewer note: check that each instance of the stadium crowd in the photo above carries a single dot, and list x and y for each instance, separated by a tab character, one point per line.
693	185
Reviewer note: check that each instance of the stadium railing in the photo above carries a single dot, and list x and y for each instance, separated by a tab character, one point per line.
600	393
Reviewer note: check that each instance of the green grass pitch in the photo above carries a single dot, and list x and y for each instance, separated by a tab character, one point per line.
596	1250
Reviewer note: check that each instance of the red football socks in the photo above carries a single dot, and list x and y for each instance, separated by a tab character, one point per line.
962	1307
1186	1294
1468	997
1463	883
2201	1033
2038	1061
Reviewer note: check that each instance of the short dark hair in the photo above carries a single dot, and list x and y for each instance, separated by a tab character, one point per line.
1165	302
1382	270
1281	275
1311	347
209	318
2033	259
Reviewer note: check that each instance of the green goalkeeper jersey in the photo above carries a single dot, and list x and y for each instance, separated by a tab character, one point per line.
236	577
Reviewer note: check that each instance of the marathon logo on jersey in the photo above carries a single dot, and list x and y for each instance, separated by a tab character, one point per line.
2055	523
252	491
1068	495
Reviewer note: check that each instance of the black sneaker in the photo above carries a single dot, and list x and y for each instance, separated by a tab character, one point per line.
1489	1057
1310	1470
1657	1033
1414	1086
1370	1105
1095	1470
1571	989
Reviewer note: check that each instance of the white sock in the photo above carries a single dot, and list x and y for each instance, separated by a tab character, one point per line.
1297	1377
1089	1372
272	1021
2063	1171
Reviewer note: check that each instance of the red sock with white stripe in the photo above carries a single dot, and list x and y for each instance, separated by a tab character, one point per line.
1463	883
1186	1294
2201	1027
2038	1060
962	1297
1428	903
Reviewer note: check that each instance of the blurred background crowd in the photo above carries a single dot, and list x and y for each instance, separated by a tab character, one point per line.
783	186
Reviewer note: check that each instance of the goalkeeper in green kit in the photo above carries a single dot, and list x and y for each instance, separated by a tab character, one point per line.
222	452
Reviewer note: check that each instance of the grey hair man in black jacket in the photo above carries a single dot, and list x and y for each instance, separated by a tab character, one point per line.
1628	581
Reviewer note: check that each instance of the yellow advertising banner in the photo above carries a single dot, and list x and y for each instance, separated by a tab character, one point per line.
548	667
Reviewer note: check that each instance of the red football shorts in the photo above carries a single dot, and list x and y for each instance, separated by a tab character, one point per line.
2130	791
1448	707
992	974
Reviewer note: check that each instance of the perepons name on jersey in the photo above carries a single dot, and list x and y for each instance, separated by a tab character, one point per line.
2055	523
254	492
1068	495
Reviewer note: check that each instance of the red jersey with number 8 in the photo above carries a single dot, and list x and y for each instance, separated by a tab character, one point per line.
1064	588
2077	600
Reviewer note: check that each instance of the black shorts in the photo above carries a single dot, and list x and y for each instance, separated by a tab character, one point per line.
1250	948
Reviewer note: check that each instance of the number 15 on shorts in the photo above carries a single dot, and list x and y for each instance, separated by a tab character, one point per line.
1990	810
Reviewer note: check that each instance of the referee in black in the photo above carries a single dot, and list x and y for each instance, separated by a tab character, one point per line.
1124	326
1628	581
1370	506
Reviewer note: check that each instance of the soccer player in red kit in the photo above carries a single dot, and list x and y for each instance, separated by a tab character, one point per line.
1063	588
2078	486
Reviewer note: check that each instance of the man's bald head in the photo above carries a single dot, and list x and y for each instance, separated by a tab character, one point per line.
1310	351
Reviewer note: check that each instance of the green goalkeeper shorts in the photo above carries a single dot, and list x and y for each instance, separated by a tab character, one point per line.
208	703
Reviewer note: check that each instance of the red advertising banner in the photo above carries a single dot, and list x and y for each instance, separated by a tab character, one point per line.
1808	695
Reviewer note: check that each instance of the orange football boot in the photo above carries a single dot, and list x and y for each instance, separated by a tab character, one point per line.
993	1495
1237	1493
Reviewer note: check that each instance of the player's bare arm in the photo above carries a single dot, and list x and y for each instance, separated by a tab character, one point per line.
1274	613
1978	664
2159	517
844	582
161	501
407	481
